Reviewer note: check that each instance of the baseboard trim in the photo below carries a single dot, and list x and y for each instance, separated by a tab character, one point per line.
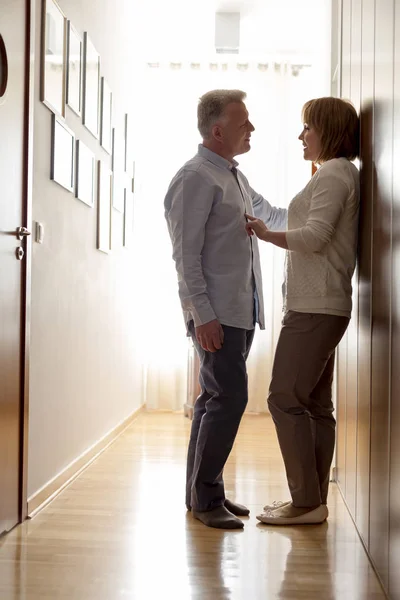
363	542
48	492
188	412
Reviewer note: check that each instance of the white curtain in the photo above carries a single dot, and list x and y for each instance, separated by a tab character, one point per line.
167	137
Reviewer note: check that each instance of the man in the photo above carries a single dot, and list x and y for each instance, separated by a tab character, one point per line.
220	288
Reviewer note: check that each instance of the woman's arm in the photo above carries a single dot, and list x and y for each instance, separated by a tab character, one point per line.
326	206
327	203
278	238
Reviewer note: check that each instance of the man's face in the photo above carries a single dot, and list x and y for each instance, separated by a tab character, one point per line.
234	130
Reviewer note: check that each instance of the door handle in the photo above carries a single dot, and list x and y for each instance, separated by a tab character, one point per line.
22	232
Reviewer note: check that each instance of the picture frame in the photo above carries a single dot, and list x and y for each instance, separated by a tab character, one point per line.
104	182
53	59
106	116
128	218
62	169
129	152
74	69
133	176
118	150
85	174
91	87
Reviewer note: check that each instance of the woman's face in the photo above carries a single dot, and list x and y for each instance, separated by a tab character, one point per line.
311	143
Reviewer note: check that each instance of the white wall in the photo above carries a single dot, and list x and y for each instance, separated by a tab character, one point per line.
86	373
86	363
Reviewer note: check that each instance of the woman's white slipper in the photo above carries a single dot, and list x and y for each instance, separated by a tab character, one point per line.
313	517
275	504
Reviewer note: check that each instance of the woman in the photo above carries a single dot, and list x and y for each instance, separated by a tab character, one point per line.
321	244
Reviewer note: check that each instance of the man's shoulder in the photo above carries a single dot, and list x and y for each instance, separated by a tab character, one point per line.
196	166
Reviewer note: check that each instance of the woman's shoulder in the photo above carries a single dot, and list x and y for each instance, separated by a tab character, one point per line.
338	166
340	169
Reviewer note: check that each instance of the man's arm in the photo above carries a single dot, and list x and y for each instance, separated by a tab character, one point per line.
274	218
188	204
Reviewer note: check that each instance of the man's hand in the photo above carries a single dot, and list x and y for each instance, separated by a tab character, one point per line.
256	226
210	336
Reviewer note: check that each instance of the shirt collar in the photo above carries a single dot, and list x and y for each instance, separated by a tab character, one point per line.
216	159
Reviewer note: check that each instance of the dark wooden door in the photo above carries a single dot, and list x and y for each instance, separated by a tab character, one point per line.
394	538
12	193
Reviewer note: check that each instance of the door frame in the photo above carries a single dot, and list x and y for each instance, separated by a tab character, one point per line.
30	32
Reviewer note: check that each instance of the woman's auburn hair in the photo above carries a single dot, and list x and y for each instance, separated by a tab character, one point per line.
337	123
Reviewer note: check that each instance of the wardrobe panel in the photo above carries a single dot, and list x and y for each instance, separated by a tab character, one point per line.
381	286
365	270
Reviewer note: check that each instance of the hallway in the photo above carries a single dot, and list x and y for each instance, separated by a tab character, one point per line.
120	530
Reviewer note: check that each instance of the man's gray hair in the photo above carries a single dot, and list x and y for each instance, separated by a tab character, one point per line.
212	106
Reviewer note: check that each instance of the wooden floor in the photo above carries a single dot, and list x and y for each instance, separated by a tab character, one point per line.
121	531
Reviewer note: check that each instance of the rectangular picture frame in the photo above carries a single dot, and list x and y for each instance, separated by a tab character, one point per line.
74	69
104	182
62	169
91	87
128	218
53	59
133	176
106	116
118	150
128	146
85	175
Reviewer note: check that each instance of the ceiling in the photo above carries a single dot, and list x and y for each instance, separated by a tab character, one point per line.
273	27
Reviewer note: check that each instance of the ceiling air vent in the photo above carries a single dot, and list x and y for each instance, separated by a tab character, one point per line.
227	32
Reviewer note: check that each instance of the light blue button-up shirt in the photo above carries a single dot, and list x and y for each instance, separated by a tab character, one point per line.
218	264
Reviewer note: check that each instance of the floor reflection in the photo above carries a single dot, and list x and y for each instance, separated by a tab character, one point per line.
121	531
